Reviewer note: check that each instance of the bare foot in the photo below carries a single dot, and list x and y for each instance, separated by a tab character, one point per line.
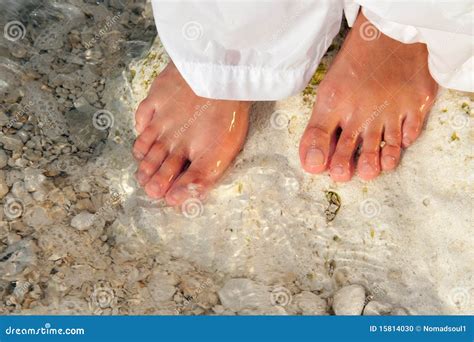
377	94
185	142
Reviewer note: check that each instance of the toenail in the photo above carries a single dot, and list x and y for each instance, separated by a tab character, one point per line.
154	187
138	155
141	177
314	157
406	140
389	160
338	170
365	166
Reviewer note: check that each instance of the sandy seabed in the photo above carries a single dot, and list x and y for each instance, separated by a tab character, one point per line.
78	236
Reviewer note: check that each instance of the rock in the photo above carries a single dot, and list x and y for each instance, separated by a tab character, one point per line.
37	217
13	176
240	293
3	187
83	221
33	155
399	312
83	132
33	178
310	304
161	286
17	257
11	142
18	190
3	159
374	308
349	300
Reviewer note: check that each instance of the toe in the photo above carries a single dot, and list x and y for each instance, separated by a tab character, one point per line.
390	155
316	146
342	162
169	170
143	115
411	128
151	163
368	165
203	172
145	141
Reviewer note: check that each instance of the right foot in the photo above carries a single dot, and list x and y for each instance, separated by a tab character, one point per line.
185	142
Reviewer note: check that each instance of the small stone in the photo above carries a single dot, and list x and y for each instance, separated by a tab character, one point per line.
374	308
33	178
18	190
310	304
399	312
13	176
349	300
33	155
161	287
3	159
4	189
240	293
83	221
11	142
37	217
17	257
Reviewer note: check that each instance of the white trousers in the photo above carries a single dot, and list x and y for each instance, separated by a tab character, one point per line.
268	50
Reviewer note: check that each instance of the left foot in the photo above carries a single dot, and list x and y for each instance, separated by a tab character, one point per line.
377	93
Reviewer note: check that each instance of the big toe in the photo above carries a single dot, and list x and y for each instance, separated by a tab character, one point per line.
203	172
316	147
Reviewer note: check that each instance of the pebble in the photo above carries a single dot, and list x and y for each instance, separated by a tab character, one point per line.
19	191
3	158
11	142
349	300
37	217
374	308
3	187
310	304
161	287
241	293
83	221
33	179
13	176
